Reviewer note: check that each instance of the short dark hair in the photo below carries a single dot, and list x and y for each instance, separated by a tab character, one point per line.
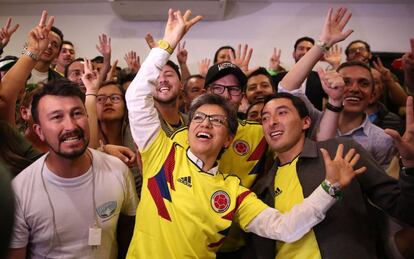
67	42
98	59
306	38
298	103
58	87
357	63
68	65
357	41
59	33
262	71
125	75
252	105
221	48
214	99
175	67
191	77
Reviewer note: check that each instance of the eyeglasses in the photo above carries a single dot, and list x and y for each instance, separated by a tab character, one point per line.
234	90
355	50
115	98
215	119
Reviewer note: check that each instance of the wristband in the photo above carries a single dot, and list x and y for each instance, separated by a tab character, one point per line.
92	95
334	108
332	189
322	45
30	54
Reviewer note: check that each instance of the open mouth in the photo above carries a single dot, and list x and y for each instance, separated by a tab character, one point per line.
72	137
352	99
164	89
275	134
203	135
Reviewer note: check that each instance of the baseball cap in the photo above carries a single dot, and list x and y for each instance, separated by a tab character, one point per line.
7	62
222	69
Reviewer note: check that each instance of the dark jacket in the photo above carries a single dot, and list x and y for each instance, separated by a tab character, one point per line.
347	231
314	90
388	120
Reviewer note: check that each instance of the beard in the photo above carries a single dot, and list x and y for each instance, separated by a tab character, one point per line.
73	154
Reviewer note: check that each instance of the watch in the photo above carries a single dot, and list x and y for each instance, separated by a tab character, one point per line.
323	45
30	54
332	189
163	44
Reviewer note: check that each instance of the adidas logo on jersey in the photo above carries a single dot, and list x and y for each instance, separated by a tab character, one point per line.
278	191
186	180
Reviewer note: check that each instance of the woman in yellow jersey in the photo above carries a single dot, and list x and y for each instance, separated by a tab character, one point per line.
187	205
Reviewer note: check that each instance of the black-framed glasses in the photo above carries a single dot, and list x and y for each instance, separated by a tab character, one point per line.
215	119
115	98
233	90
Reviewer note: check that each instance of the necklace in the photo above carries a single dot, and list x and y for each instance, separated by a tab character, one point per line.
55	238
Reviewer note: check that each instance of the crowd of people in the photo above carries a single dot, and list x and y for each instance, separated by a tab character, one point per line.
154	161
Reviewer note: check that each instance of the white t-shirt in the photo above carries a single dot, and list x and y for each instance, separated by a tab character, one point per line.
72	202
38	77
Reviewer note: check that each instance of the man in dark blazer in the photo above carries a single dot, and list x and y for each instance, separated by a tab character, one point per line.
347	231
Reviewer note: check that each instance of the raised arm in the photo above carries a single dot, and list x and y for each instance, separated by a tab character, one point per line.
143	117
182	56
15	79
332	33
104	47
5	34
91	82
408	60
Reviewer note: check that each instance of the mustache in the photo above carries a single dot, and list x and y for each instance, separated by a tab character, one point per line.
74	133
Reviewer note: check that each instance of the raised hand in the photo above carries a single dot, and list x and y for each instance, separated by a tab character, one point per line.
150	41
333	56
332	31
90	78
182	53
405	144
274	62
242	58
132	60
333	84
6	32
38	37
385	72
341	170
203	66
178	25
104	46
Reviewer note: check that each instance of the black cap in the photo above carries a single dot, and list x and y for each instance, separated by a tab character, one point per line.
220	70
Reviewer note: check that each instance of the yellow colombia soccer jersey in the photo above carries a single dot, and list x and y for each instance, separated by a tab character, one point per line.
185	212
246	155
288	193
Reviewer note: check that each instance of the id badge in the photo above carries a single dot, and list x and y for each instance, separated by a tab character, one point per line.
95	235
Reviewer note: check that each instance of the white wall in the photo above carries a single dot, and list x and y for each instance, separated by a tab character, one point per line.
387	27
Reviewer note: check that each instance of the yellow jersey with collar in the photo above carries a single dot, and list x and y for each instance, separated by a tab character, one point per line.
186	212
245	157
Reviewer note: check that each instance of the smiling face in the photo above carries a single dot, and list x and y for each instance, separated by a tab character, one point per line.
52	50
66	55
258	87
358	91
301	49
284	129
110	105
208	137
63	125
228	81
168	87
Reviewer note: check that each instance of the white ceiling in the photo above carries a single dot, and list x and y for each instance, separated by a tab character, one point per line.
262	1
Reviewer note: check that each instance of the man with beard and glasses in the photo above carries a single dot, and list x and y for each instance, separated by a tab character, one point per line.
73	202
